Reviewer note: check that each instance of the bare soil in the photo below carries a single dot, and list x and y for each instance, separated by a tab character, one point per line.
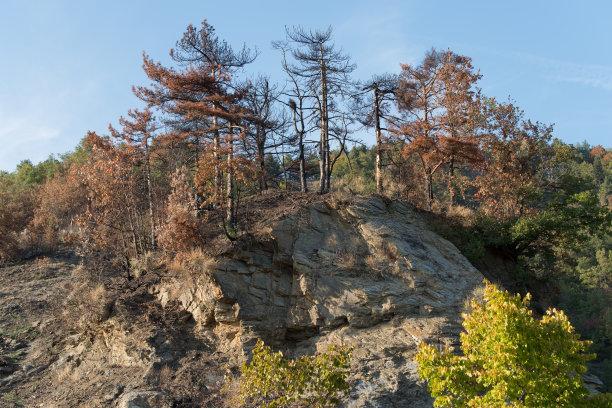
43	315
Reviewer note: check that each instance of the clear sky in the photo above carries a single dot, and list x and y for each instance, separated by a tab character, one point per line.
68	66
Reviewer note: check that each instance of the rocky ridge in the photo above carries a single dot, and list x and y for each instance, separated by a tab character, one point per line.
366	272
360	270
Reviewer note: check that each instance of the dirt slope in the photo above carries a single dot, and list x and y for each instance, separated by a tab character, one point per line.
311	271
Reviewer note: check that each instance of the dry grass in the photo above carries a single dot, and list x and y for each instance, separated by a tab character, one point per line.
476	295
339	199
356	184
194	262
87	305
80	273
388	251
166	375
42	261
461	214
345	260
67	374
95	305
146	263
376	265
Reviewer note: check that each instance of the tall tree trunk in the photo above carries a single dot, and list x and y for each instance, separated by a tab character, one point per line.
324	166
126	256
321	166
150	194
133	231
284	165
216	151
198	195
263	179
217	159
230	217
451	182
429	190
303	184
300	134
379	184
327	163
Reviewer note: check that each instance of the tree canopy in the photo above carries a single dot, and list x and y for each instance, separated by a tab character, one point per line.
510	359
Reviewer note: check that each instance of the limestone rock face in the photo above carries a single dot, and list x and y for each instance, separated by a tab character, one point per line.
367	272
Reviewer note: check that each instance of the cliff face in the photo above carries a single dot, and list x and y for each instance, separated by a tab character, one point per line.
315	271
367	272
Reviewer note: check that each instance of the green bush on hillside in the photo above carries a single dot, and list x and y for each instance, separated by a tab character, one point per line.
510	359
271	380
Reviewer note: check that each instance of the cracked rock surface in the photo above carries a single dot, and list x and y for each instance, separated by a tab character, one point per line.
367	273
310	272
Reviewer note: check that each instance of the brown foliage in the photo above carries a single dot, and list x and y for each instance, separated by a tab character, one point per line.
200	96
137	135
181	228
115	216
597	151
58	202
16	210
518	154
440	109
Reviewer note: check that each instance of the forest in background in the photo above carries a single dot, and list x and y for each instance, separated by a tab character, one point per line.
211	135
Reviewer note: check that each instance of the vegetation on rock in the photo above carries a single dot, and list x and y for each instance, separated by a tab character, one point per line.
271	380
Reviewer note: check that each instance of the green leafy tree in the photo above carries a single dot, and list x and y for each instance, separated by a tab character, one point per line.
510	359
354	171
271	380
551	236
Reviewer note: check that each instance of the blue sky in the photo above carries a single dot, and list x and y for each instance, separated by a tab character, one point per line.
68	66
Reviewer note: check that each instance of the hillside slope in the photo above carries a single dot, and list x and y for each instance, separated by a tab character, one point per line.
358	270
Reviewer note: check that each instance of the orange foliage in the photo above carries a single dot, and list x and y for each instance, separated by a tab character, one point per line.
16	210
58	202
597	151
518	152
137	136
198	96
181	228
439	105
114	215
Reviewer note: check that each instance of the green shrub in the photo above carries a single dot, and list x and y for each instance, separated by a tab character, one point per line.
510	359
271	380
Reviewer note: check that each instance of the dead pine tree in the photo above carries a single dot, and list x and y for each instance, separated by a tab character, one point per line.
300	130
460	98
324	73
301	112
203	48
372	105
137	135
438	104
264	122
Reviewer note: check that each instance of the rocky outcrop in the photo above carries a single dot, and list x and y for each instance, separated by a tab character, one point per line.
314	271
367	272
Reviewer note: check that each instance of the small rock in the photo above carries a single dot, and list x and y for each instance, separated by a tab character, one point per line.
10	380
6	370
144	399
116	391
